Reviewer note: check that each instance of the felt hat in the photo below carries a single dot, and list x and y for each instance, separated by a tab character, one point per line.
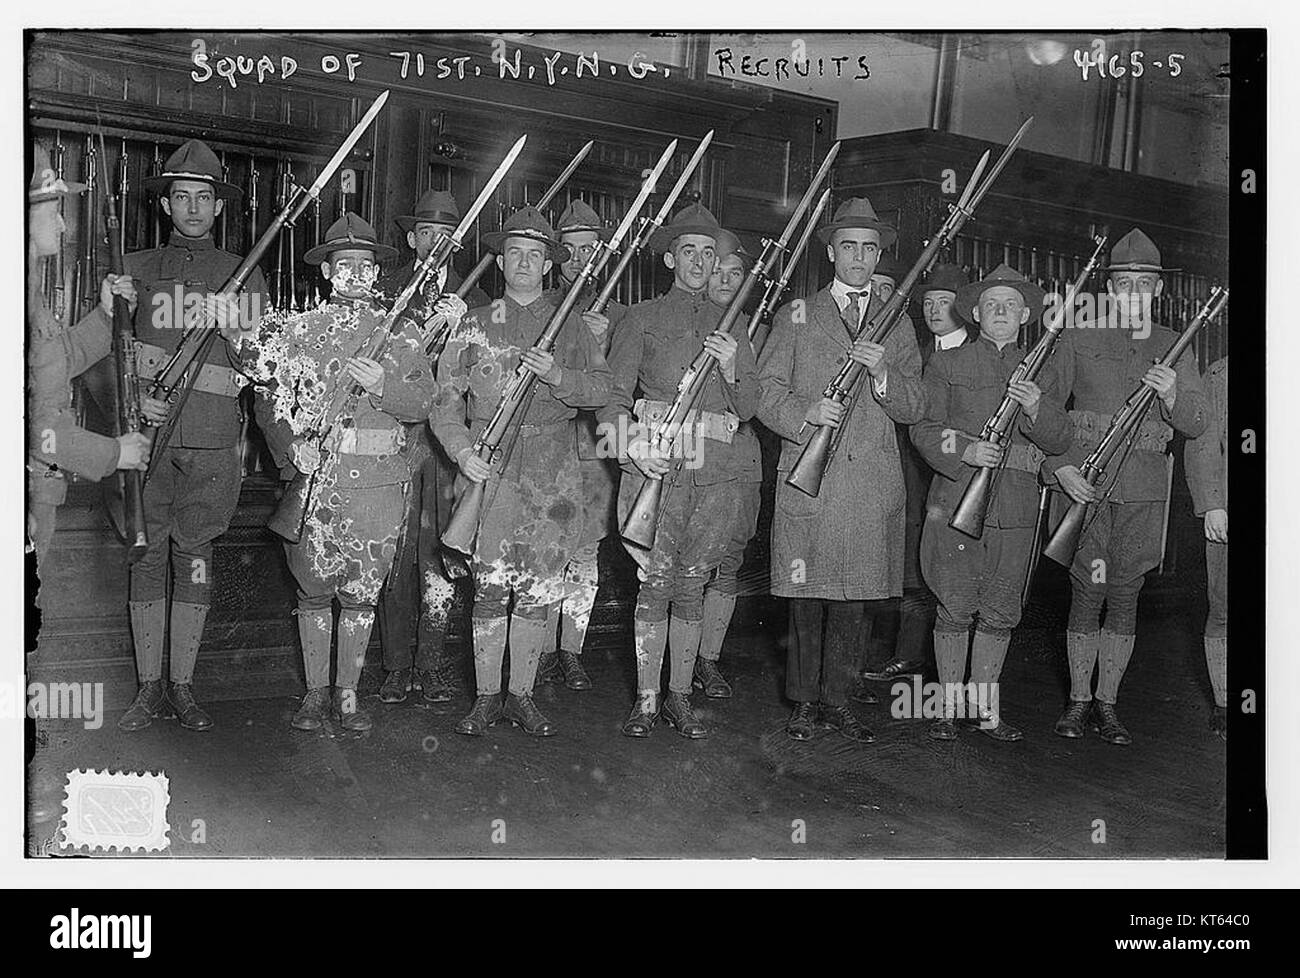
433	207
1135	252
857	212
579	216
46	184
943	278
693	219
193	161
347	233
528	222
968	296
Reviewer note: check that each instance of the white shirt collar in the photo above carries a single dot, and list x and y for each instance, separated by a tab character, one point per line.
951	340
840	293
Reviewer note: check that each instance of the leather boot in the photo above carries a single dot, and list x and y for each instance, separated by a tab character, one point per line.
484	713
575	677
523	713
802	722
677	711
641	720
180	697
549	670
1106	720
1073	721
1219	723
433	687
395	686
312	711
708	678
841	718
348	712
149	704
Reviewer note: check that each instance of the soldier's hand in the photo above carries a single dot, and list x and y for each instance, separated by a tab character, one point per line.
1216	525
1075	485
826	412
1027	394
368	373
723	347
982	454
155	411
474	468
597	322
451	308
651	463
1164	381
870	355
543	364
112	285
305	456
133	451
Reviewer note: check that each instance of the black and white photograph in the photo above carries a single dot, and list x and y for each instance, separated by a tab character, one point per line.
597	444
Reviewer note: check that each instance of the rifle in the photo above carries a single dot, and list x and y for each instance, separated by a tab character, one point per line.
972	510
176	379
83	269
485	262
1120	437
647	227
776	287
642	521
290	517
462	529
126	506
820	450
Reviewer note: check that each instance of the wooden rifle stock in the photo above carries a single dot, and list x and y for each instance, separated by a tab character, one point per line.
973	507
1119	436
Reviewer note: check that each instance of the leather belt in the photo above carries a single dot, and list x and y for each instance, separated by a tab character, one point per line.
366	441
1089	426
212	379
706	424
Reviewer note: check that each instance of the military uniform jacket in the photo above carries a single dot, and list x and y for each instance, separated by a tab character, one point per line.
298	360
1099	367
196	267
650	352
479	362
55	443
587	437
963	387
848	540
1206	457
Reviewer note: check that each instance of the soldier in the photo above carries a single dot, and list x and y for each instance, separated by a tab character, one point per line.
55	442
580	230
1206	461
531	517
884	280
700	506
838	552
1099	364
900	649
194	489
358	505
418	591
980	581
720	592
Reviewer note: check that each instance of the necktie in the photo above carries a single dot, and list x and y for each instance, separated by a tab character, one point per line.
852	312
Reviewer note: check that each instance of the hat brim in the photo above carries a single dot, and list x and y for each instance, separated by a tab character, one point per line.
887	234
602	232
556	252
1138	267
159	184
968	298
408	222
322	251
725	242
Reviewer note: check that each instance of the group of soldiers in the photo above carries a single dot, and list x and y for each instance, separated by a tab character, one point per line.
870	567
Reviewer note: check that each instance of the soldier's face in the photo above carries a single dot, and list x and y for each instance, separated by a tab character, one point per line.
854	252
1134	292
193	207
936	306
726	279
582	245
523	261
692	258
421	239
45	227
883	286
1001	312
351	272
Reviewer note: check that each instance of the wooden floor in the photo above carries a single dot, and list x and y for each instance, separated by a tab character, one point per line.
412	787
